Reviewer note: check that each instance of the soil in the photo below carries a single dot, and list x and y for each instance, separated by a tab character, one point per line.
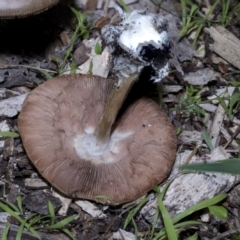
27	45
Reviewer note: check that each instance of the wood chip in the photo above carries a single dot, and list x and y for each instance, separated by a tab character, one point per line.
171	88
90	208
190	136
101	63
225	44
123	235
4	126
208	107
12	106
4	217
189	189
216	125
226	92
5	93
35	183
201	76
65	203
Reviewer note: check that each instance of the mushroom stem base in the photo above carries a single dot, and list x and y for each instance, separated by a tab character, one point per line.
95	147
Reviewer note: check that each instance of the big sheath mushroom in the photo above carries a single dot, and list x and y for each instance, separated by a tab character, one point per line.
23	8
69	133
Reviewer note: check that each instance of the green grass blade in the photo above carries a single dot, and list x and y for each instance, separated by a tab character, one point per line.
51	212
62	223
187	224
68	233
20	230
193	11
234	11
90	68
189	24
135	229
134	211
156	189
207	139
225	9
154	223
7	209
197	34
82	30
32	219
185	29
212	9
44	73
168	224
177	226
222	102
233	100
204	204
19	203
6	231
162	194
9	134
231	166
98	48
184	12
73	67
123	5
11	205
193	237
218	211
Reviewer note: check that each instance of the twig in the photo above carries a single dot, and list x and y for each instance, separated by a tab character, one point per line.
105	9
5	66
232	137
194	151
226	234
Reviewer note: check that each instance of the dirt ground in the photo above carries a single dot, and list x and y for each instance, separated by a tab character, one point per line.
28	44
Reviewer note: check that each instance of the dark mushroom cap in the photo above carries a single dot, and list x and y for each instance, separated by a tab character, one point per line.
56	121
22	8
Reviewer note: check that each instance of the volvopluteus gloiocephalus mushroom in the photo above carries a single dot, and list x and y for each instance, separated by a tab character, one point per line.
69	130
23	8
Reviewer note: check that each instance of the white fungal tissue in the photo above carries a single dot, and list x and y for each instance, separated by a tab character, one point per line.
143	37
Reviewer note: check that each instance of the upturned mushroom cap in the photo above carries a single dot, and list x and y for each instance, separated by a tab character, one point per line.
22	8
57	121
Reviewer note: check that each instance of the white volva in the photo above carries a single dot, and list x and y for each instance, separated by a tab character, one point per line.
143	37
140	30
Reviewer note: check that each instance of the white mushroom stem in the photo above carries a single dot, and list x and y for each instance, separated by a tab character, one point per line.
114	103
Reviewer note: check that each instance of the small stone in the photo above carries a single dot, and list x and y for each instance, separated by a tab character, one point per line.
38	202
11	106
8	148
35	183
205	218
65	203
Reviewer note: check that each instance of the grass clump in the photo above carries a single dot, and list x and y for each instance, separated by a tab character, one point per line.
230	103
172	227
82	30
34	222
189	103
195	19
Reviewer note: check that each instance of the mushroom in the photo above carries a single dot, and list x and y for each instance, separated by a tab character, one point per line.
23	8
71	134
